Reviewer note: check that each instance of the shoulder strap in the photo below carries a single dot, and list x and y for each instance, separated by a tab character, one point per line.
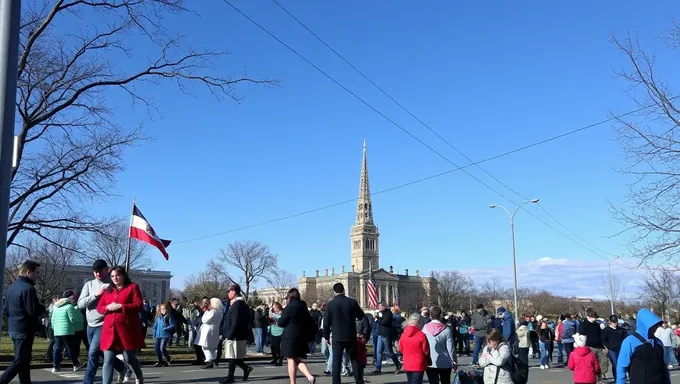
639	337
498	371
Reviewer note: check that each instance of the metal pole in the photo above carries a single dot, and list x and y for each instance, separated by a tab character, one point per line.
10	16
611	289
514	265
129	242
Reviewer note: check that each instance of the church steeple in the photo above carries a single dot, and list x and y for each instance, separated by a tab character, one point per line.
364	234
364	208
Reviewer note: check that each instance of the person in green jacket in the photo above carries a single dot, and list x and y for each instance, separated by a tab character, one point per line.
276	333
66	321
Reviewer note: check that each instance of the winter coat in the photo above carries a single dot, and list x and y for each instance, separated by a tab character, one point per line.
66	318
440	339
122	328
415	349
210	329
163	330
508	328
22	307
523	337
494	359
585	365
481	322
236	321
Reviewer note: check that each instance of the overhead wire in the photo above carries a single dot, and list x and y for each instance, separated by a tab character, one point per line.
472	162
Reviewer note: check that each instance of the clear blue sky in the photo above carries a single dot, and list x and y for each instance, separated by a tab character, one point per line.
488	79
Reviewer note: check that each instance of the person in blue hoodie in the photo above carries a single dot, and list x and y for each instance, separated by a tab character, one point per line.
507	328
642	355
163	329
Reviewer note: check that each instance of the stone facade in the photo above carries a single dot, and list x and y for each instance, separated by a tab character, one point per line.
155	285
409	291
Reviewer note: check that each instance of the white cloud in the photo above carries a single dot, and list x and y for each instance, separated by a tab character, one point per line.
579	278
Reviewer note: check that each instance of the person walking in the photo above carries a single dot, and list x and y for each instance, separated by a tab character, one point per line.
298	332
416	350
22	309
442	350
385	344
163	328
340	319
89	298
65	320
234	332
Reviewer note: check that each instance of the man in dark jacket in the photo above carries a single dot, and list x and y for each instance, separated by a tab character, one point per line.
612	338
340	319
591	329
385	342
481	321
22	309
234	333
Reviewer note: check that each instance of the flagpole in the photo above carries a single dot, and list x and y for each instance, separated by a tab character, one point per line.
129	242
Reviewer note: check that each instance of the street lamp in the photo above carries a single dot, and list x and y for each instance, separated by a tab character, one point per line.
512	233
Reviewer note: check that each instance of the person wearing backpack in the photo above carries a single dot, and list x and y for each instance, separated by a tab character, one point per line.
496	359
642	354
569	328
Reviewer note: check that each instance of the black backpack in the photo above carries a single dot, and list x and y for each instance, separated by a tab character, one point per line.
519	370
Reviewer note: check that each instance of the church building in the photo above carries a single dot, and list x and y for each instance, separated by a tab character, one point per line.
409	291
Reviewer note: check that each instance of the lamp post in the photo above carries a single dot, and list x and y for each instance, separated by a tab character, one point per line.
512	234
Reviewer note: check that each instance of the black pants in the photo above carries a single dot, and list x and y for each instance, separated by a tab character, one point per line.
533	336
568	349
438	375
200	356
21	365
338	349
416	377
523	354
276	347
232	368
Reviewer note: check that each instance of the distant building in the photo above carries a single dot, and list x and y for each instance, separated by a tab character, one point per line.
155	285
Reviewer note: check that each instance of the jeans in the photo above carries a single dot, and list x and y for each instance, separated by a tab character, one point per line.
414	377
568	349
161	347
560	352
613	358
259	341
374	342
21	365
110	361
346	367
385	346
94	335
544	347
59	343
312	347
669	356
479	343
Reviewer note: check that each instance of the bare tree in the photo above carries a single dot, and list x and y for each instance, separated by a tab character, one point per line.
110	244
493	291
55	257
651	144
252	259
207	283
454	289
661	289
69	145
614	290
282	280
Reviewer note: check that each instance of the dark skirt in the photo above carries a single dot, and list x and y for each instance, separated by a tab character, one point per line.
294	348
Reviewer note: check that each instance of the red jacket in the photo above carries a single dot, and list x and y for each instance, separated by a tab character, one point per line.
416	350
122	329
585	365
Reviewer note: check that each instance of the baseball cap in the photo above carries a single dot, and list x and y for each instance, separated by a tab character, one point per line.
99	265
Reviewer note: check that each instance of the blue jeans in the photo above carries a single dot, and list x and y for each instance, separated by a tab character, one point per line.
544	347
94	335
480	341
259	342
385	347
21	365
669	356
110	360
560	352
613	358
161	347
346	365
60	342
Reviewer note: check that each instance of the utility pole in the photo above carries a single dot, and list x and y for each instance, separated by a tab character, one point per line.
611	287
10	17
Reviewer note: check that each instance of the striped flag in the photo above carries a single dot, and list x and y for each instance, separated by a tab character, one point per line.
372	291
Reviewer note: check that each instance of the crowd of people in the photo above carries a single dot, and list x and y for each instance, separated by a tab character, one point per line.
111	318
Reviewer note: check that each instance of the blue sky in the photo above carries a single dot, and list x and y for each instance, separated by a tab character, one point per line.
487	79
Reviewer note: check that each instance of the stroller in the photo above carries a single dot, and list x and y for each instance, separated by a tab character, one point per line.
469	377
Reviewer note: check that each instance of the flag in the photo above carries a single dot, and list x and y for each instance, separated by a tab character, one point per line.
140	229
372	291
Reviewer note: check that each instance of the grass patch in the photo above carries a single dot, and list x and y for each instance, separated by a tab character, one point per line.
40	347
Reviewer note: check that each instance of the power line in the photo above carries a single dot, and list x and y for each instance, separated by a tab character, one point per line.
417	181
406	110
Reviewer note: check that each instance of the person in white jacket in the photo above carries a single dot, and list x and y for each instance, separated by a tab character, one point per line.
209	333
496	356
665	334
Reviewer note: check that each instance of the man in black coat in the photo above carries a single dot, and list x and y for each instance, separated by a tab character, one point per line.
23	309
386	332
339	326
234	333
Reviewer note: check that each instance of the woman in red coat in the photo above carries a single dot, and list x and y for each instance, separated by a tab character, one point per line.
122	331
415	349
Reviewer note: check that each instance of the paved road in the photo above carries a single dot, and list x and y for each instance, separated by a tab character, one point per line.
273	375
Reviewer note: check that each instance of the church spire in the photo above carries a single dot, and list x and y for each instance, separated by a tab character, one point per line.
364	208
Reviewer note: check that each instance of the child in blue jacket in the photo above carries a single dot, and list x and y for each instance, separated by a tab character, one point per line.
163	329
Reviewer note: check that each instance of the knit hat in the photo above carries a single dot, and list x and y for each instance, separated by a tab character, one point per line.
539	318
579	340
501	310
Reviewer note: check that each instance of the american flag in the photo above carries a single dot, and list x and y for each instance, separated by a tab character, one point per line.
372	291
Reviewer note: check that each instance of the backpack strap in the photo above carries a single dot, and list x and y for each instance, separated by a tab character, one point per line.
639	337
498	371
